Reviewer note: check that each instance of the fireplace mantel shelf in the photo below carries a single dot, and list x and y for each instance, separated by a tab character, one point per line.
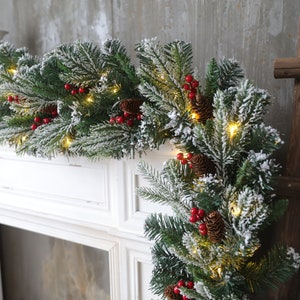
92	203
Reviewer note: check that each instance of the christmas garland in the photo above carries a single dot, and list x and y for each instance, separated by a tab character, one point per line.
81	99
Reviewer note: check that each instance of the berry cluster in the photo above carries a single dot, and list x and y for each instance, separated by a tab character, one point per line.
198	214
182	283
191	86
126	118
11	98
75	90
38	121
185	158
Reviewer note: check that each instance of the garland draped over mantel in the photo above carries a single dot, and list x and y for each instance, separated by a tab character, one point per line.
80	99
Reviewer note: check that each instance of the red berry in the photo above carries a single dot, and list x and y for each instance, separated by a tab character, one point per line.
192	95
176	290
120	119
68	86
202	226
179	156
189	156
112	120
34	126
194	211
201	213
203	232
193	218
190	284
129	122
46	120
16	98
10	98
181	283
74	92
126	114
189	78
184	161
54	113
185	298
186	87
139	117
37	119
81	90
195	83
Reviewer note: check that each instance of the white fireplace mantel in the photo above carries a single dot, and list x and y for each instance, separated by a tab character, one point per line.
92	203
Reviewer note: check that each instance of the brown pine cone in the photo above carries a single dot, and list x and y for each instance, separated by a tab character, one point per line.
202	165
215	226
202	107
131	105
169	293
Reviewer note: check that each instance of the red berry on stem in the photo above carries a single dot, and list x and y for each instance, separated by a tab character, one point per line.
201	213
186	87
10	98
46	120
179	156
37	119
190	284
203	232
54	113
192	95
74	92
189	156
189	78
194	211
193	218
202	226
176	290
112	120
120	119
34	126
139	117
81	90
181	283
195	83
68	86
129	122
185	298
184	161
126	114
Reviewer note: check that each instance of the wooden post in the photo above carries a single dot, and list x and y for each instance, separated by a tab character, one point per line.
288	229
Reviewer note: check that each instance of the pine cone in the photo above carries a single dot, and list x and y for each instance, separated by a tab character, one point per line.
215	226
169	293
131	105
202	165
202	107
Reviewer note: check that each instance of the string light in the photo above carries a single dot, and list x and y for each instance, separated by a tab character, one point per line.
89	99
12	70
233	129
116	88
67	141
235	210
195	116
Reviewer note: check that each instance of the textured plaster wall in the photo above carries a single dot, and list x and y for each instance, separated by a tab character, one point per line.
254	32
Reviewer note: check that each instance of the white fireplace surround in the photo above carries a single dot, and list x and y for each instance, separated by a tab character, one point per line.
91	203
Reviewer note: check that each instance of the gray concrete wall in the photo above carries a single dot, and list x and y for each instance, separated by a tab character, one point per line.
253	31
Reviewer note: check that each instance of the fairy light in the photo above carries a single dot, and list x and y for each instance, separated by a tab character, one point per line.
195	116
67	141
89	99
116	88
235	210
233	129
12	70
